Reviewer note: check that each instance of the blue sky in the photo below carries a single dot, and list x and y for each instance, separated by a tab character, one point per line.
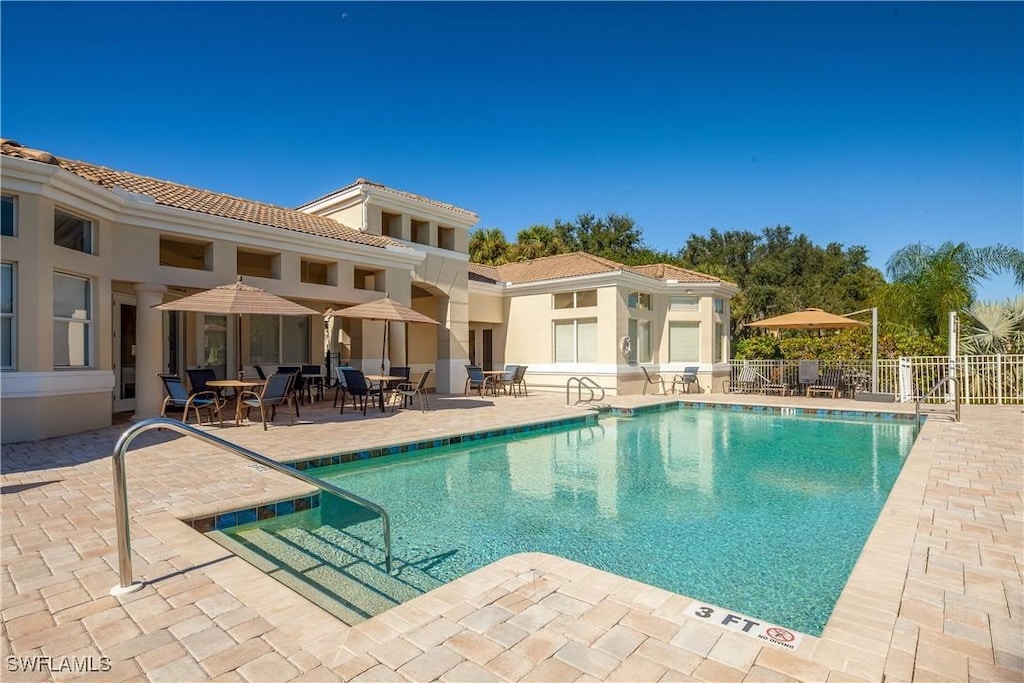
880	124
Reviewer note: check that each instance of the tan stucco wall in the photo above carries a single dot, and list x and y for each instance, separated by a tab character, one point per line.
30	419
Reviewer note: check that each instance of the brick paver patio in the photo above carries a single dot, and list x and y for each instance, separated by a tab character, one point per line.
936	595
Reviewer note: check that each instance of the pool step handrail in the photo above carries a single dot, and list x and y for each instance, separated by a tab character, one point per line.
954	385
124	550
582	383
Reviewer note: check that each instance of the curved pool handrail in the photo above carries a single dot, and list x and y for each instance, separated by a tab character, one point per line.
124	559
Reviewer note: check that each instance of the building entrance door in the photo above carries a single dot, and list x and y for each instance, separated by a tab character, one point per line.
124	353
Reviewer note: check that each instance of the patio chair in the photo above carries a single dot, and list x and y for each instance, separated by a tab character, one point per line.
339	384
650	379
519	380
687	379
830	382
297	385
356	387
392	385
197	379
313	377
475	380
276	392
406	390
179	399
259	371
808	373
505	379
777	384
748	381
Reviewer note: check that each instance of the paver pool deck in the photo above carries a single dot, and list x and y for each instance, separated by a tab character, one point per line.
937	593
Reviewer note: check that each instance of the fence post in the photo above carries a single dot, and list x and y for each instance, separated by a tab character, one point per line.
999	378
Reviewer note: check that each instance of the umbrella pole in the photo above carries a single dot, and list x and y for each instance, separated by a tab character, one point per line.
383	347
238	349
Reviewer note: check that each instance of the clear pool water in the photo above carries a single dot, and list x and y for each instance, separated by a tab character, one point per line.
759	513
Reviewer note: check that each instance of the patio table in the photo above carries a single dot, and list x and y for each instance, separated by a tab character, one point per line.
381	380
239	385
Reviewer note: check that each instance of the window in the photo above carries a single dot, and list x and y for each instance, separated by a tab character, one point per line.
421	232
718	352
576	341
719	305
72	232
390	225
371	280
8	216
315	272
72	321
278	339
684	303
256	264
583	299
7	326
640	338
683	342
639	300
183	254
446	238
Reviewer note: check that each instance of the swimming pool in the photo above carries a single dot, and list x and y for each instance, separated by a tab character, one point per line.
760	513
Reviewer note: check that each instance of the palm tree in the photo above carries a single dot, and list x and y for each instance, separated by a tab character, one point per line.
537	241
993	328
928	282
489	247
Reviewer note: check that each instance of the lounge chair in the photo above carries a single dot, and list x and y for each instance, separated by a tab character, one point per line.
407	390
687	379
356	387
830	382
475	380
650	379
180	399
777	383
748	381
276	392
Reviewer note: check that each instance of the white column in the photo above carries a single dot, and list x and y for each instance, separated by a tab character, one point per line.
149	350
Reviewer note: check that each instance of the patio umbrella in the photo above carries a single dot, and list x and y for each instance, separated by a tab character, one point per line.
387	310
236	299
808	319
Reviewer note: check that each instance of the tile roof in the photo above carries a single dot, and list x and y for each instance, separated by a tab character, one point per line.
206	202
401	193
576	264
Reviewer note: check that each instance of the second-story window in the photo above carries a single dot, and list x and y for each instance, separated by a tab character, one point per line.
641	301
581	299
73	232
8	216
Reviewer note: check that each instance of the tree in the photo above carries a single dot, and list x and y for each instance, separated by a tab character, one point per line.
928	282
614	237
489	247
537	241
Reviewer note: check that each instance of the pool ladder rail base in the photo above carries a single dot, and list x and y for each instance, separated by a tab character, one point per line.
124	551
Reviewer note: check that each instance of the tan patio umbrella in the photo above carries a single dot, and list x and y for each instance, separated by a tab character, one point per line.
236	299
387	310
808	319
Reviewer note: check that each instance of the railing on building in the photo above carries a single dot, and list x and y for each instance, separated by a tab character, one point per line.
993	379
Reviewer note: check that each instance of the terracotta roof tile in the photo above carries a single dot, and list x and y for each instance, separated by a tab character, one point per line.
576	264
202	201
665	271
401	193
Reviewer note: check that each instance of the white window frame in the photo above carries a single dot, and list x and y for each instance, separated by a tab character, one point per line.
636	298
576	296
683	303
590	352
641	350
14	214
12	315
85	322
673	343
90	238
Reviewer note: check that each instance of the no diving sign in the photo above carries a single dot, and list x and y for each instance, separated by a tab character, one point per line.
769	633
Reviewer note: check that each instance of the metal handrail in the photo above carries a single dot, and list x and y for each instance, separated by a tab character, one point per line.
582	382
927	394
124	558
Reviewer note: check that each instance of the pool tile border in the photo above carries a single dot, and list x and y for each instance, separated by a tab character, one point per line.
777	410
226	520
